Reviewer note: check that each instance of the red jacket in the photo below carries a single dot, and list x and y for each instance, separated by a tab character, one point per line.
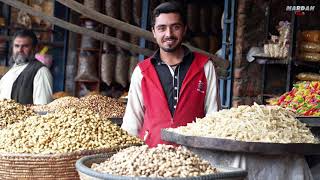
190	105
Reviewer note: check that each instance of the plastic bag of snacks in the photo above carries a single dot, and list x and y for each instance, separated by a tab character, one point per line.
304	98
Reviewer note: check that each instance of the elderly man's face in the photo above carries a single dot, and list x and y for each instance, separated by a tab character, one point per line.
23	50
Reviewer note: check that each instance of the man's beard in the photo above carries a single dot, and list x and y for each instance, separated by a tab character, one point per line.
173	48
169	50
20	58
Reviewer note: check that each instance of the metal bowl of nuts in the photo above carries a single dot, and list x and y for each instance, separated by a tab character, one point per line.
162	162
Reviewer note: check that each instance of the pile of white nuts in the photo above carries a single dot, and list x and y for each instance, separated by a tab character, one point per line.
162	161
64	131
11	112
255	123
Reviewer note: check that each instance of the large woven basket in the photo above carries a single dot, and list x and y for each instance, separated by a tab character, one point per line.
44	167
86	173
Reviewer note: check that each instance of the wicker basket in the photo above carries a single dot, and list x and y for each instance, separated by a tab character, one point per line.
87	173
44	167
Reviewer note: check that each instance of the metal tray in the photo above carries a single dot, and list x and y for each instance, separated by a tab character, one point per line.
240	146
43	112
83	164
117	121
123	100
311	121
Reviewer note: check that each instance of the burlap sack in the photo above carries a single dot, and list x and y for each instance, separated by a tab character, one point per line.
132	65
86	41
106	46
108	63
89	43
47	8
113	8
93	4
121	69
87	67
123	36
136	12
193	17
126	10
205	18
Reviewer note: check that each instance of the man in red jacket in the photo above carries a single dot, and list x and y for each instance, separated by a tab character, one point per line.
174	86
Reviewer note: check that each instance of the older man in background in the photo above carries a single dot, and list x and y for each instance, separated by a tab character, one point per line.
28	81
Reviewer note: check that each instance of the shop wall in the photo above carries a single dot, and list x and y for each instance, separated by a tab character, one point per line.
204	32
71	64
249	32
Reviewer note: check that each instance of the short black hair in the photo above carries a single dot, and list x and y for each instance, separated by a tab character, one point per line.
26	33
169	7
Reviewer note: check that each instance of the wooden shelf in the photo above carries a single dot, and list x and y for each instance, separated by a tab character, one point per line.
89	49
270	60
87	81
271	95
10	27
82	87
314	65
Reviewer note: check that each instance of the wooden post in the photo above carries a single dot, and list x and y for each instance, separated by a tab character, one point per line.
107	20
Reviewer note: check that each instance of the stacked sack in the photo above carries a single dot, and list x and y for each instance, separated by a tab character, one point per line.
310	46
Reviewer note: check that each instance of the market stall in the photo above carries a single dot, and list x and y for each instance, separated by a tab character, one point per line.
267	141
47	146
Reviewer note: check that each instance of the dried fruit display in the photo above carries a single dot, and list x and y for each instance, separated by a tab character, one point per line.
304	98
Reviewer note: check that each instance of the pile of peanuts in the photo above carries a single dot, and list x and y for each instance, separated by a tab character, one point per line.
105	106
162	161
64	131
60	103
11	112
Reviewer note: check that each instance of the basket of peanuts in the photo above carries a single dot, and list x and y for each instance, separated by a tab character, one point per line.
47	146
